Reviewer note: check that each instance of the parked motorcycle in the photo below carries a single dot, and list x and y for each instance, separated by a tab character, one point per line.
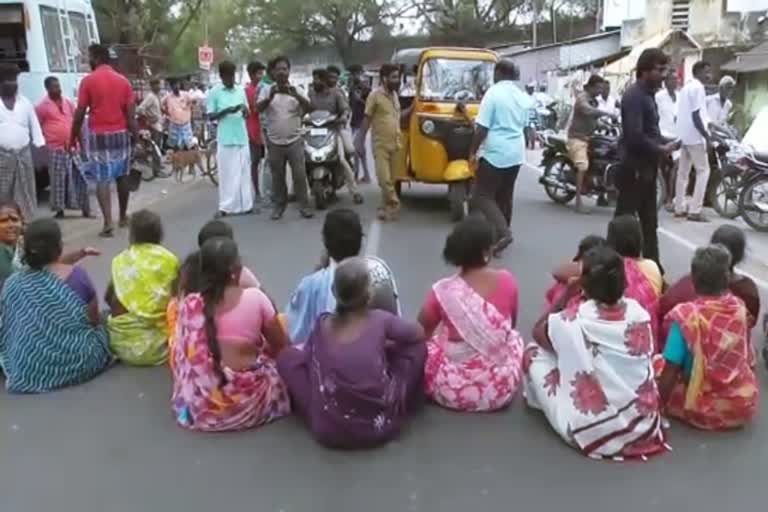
753	198
324	171
732	172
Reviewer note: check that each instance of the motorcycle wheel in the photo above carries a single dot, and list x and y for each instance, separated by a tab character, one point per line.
319	195
147	175
753	204
725	197
458	198
556	170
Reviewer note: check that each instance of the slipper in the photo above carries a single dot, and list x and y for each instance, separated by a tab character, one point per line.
107	232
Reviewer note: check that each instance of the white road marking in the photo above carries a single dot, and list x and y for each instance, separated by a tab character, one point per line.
692	247
373	239
679	239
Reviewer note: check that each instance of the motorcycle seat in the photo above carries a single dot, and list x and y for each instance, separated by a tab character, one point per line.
558	139
761	156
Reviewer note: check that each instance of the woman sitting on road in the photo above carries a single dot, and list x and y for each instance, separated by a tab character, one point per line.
569	270
11	223
708	379
188	280
50	336
475	354
590	368
733	239
138	295
224	373
359	375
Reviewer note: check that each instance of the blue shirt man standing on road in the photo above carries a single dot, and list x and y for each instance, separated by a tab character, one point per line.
498	149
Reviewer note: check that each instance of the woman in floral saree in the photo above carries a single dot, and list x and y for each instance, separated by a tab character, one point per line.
590	371
708	380
138	295
224	373
474	352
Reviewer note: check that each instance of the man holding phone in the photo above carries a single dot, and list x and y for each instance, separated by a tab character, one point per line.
283	107
227	104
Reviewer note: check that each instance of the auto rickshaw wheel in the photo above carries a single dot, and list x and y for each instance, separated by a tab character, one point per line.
458	198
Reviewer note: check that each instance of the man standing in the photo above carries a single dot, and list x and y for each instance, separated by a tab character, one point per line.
331	99
719	105
18	127
583	123
382	116
284	107
108	99
68	187
256	74
228	105
530	129
641	148
358	94
606	101
692	128
666	102
151	110
178	106
497	149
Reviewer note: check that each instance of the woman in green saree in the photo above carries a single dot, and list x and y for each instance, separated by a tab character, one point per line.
142	279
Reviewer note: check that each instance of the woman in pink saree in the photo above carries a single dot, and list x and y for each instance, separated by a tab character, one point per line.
474	352
573	267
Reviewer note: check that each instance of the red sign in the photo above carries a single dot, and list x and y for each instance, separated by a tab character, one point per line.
205	57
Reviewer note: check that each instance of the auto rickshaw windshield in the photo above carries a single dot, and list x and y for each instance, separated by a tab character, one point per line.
455	80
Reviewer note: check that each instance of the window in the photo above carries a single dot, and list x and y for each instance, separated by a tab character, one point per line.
13	40
681	10
82	40
455	80
54	41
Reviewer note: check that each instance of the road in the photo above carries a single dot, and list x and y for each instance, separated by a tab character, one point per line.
112	446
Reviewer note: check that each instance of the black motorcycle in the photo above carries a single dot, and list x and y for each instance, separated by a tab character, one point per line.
753	198
324	171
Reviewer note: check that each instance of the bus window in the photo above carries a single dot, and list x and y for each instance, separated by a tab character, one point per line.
13	37
80	33
54	41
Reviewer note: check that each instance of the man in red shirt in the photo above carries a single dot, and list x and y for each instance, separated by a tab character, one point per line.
256	73
68	187
108	99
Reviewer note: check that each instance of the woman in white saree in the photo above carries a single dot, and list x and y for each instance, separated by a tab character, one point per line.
590	369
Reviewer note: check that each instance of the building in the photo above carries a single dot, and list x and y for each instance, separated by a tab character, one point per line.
751	71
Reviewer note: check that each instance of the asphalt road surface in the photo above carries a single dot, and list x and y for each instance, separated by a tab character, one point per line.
111	445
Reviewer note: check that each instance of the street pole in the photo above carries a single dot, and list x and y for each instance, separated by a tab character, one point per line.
535	34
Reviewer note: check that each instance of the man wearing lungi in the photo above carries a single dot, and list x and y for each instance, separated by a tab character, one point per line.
68	188
108	99
18	127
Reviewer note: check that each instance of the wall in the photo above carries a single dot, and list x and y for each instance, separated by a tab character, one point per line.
755	94
583	52
535	64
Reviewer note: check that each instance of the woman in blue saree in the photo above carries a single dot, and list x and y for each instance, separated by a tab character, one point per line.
51	336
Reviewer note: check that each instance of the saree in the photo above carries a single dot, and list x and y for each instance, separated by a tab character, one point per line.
60	347
142	276
640	288
722	391
597	388
482	371
250	398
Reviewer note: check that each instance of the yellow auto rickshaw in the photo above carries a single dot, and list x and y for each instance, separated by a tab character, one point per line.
443	88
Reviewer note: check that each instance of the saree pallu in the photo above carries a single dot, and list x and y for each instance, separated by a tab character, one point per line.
481	372
722	391
17	179
640	288
597	388
108	156
142	276
69	191
47	340
250	398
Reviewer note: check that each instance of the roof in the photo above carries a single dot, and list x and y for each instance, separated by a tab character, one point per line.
754	60
599	35
410	57
627	64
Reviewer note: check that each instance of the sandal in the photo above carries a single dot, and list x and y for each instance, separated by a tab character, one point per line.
107	232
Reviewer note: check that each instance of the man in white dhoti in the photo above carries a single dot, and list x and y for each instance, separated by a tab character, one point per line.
228	105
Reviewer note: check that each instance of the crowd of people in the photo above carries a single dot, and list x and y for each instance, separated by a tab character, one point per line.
614	351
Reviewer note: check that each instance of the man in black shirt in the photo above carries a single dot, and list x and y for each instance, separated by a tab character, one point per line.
642	147
358	94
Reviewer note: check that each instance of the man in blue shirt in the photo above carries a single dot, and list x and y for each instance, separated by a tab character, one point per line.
498	149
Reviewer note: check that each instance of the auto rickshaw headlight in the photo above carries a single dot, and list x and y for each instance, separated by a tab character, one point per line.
428	127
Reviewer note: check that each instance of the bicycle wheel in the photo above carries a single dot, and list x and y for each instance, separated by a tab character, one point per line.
753	203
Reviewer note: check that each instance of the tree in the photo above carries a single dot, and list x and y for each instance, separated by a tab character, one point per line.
283	24
459	18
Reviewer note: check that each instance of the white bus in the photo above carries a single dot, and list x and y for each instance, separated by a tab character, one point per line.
47	37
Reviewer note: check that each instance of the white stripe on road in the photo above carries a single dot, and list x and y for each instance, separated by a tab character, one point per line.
679	239
373	238
691	246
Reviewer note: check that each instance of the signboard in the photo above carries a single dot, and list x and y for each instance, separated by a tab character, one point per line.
205	57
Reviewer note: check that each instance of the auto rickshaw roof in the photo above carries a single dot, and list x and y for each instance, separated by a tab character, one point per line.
412	56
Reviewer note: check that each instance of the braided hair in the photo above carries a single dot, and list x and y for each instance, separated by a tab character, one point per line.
219	258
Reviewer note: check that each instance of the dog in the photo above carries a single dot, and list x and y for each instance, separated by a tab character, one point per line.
186	159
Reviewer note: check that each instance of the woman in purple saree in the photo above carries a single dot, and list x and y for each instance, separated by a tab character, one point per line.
360	374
